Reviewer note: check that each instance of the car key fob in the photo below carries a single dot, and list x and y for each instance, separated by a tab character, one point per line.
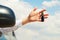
42	17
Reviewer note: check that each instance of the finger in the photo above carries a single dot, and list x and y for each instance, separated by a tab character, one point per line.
46	15
42	11
32	12
35	9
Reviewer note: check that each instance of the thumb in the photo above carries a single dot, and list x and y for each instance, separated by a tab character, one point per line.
34	9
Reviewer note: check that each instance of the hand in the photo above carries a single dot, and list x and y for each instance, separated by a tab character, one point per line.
35	16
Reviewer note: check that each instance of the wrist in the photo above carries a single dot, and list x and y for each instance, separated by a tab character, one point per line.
25	21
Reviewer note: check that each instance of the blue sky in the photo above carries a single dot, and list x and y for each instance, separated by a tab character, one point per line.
35	2
38	3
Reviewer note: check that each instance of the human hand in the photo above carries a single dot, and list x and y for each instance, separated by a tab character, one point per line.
35	16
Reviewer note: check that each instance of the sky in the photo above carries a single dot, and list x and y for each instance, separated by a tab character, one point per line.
50	5
48	30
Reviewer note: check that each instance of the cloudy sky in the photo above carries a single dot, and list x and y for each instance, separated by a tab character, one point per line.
48	30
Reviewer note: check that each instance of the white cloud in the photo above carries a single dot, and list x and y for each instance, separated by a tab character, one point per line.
51	3
25	34
48	30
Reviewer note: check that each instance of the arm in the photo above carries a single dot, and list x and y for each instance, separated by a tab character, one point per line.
34	16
